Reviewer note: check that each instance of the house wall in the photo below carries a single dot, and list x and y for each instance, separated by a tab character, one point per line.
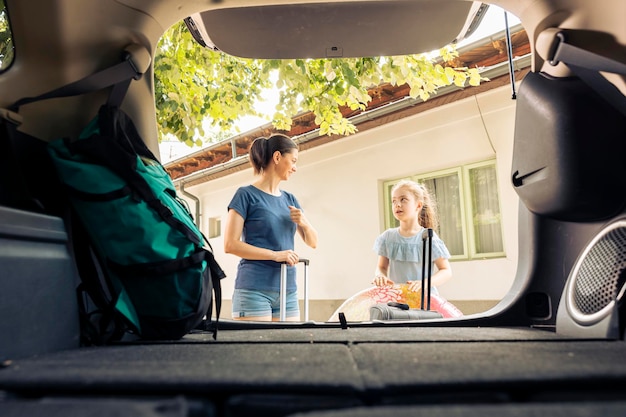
339	187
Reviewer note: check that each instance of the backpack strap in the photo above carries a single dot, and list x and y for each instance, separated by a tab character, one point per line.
101	325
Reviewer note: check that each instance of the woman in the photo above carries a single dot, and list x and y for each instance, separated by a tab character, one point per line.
260	228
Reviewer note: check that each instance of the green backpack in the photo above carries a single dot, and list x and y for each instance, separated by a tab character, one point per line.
143	262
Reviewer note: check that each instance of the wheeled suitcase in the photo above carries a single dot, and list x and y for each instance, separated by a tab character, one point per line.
283	290
398	311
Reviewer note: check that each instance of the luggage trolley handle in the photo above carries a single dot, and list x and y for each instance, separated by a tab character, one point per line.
427	239
283	290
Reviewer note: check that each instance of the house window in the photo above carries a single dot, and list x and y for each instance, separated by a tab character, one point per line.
468	207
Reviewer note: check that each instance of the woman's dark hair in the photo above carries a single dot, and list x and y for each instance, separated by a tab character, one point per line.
263	148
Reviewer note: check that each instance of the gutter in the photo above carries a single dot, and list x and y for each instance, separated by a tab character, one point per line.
406	102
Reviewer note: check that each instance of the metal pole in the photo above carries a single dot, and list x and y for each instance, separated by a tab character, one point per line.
283	292
430	265
306	289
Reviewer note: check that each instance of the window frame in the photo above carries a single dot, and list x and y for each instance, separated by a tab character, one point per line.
462	200
465	200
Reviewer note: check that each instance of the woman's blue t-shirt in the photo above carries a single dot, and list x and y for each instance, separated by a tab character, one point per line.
267	224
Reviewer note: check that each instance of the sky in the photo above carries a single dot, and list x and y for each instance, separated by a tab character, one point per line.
493	22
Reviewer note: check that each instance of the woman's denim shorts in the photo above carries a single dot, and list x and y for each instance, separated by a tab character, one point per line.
253	303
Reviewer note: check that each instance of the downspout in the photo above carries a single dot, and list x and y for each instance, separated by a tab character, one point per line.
196	217
196	200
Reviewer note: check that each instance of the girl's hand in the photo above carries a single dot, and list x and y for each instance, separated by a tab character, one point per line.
382	281
288	256
414	286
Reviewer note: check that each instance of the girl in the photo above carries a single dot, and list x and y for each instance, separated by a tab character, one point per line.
267	219
400	249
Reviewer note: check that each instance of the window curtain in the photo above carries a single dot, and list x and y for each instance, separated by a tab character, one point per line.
446	193
486	219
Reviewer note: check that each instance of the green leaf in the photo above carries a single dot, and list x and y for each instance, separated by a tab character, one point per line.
195	86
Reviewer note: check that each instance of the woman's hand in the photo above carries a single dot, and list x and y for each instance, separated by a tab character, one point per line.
305	230
289	257
297	216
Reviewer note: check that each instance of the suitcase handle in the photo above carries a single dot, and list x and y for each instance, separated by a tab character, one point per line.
283	290
427	236
401	306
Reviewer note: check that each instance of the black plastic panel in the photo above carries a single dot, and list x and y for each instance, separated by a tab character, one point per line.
568	157
38	306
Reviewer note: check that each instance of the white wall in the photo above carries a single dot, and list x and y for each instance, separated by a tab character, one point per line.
339	186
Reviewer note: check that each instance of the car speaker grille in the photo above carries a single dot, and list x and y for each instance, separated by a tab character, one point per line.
600	274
